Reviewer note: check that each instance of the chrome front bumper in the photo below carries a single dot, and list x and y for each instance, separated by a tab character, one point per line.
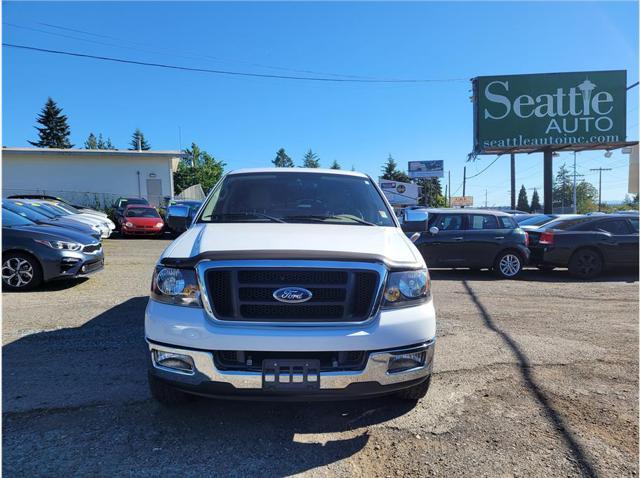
375	370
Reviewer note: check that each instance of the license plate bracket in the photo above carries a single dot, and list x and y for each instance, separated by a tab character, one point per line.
291	374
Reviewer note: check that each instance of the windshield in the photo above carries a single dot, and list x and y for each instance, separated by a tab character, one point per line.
536	220
126	202
295	198
23	211
67	207
47	209
11	219
141	212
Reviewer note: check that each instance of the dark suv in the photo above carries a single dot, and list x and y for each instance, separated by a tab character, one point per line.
475	239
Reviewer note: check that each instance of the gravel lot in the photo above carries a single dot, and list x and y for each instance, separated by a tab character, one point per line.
535	377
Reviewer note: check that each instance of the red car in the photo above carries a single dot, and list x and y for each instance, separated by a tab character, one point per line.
139	219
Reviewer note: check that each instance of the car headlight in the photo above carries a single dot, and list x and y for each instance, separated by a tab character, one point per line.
61	245
160	224
128	224
175	286
407	288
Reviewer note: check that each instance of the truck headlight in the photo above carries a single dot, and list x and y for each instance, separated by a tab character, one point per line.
407	288
175	286
61	245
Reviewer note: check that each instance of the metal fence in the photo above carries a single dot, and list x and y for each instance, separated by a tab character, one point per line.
98	200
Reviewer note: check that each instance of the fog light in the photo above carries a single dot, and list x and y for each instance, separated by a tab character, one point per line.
406	361
180	362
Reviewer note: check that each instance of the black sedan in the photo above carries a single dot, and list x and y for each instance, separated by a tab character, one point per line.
587	245
475	239
40	217
32	253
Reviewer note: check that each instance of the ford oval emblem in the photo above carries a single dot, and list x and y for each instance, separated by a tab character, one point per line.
292	295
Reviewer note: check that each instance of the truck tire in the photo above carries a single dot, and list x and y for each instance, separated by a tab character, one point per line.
20	272
508	265
585	264
166	394
416	392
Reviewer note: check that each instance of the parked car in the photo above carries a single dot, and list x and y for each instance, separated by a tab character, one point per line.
141	220
291	284
72	210
33	254
539	220
37	216
475	239
122	203
587	245
180	214
43	197
54	211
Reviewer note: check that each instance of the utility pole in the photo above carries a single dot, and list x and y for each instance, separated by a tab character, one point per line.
449	174
575	192
600	185
464	183
485	198
513	181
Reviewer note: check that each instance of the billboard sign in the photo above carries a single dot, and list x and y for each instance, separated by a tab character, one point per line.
461	201
519	113
426	169
400	194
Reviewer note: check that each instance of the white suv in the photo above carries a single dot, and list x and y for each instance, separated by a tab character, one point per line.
291	284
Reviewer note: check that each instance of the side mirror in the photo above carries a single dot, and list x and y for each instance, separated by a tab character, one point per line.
415	220
434	230
178	211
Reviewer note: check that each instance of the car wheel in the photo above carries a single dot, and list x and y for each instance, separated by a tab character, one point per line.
585	264
166	394
508	265
20	272
416	392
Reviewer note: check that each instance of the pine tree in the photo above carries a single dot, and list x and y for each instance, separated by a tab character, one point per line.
311	160
54	132
523	200
91	142
282	160
535	201
335	165
391	172
432	192
138	141
102	144
563	188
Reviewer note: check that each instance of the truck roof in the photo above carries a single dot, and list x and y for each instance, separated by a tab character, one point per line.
298	170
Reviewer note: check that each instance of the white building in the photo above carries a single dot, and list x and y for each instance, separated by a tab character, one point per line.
89	176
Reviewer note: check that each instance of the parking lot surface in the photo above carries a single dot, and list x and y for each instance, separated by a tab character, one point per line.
533	377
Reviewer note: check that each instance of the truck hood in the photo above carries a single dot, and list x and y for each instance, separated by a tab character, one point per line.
318	240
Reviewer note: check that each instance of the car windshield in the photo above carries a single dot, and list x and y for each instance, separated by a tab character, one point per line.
297	197
141	212
536	220
23	211
67	207
47	209
11	219
126	202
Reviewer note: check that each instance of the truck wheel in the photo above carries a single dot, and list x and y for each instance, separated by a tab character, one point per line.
20	272
585	264
508	265
166	394
416	392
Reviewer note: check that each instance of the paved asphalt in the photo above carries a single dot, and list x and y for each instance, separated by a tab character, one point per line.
534	377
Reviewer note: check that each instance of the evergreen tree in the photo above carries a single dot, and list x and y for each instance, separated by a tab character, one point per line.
102	144
54	132
198	167
91	142
523	200
138	141
335	165
391	172
311	160
535	201
431	192
282	160
563	188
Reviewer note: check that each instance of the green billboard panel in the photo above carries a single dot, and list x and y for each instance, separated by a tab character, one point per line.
519	113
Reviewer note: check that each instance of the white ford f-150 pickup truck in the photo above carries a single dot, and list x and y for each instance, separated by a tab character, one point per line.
291	284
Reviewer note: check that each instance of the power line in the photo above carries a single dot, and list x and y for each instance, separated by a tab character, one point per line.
490	164
228	72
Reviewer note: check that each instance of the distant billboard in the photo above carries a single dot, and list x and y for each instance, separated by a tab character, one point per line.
461	201
520	113
400	194
426	169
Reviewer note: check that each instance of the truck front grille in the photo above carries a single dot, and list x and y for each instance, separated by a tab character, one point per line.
246	294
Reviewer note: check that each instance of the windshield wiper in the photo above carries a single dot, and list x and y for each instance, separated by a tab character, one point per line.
245	215
338	217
